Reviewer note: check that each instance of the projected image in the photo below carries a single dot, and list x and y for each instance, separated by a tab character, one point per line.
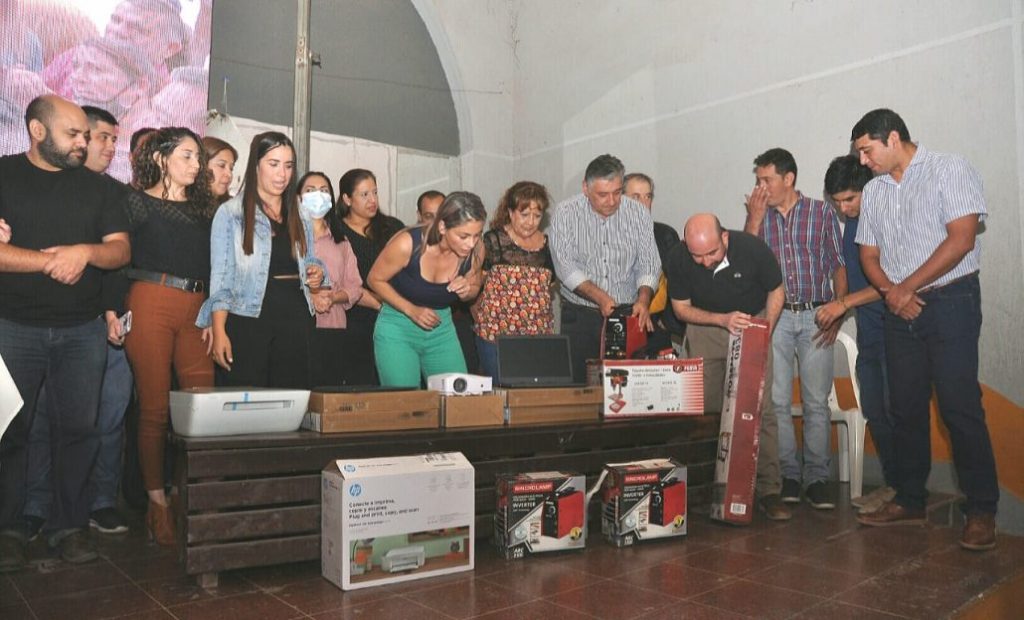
144	61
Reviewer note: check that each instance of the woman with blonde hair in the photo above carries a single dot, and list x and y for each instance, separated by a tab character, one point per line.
418	276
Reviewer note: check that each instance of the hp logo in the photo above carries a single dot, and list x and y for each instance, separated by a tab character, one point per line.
350	468
355	490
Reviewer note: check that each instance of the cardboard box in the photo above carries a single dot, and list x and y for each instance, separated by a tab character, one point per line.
386	520
732	495
549	405
537	512
642	500
473	410
359	412
635	388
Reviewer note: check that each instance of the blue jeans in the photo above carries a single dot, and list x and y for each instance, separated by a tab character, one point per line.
69	362
115	395
793	337
487	351
939	349
874	394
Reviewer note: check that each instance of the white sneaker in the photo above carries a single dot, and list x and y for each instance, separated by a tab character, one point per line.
877	499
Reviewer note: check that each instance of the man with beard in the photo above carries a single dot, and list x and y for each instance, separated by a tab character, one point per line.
52	334
717	281
116	392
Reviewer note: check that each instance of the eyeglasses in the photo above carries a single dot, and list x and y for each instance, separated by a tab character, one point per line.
316	188
365	195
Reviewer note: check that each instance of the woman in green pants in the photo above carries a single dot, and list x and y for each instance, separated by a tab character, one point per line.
419	275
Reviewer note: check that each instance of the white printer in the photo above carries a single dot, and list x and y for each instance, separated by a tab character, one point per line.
215	411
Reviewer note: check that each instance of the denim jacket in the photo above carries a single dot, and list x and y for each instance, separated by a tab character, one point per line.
238	281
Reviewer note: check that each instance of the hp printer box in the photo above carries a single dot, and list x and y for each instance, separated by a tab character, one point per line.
643	500
732	495
386	520
545	511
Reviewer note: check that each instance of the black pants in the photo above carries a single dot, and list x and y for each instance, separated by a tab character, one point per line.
939	350
362	365
271	350
583	326
329	357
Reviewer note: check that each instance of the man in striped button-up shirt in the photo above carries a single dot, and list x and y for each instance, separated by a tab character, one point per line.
602	244
803	233
918	238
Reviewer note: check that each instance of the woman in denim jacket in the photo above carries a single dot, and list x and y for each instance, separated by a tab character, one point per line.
262	270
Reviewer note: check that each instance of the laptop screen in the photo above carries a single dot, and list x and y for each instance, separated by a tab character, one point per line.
532	361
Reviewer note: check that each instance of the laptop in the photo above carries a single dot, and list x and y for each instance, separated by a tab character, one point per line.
534	361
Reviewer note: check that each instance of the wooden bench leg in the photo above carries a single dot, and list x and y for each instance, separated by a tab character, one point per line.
207	581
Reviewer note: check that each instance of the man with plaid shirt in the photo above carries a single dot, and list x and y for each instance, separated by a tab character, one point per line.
803	233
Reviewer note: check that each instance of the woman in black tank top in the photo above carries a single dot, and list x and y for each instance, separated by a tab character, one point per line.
418	276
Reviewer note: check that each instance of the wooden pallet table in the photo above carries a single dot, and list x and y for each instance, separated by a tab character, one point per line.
254	500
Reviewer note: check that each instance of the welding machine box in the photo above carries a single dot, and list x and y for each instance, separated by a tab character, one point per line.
637	388
622	335
537	512
386	520
732	494
643	500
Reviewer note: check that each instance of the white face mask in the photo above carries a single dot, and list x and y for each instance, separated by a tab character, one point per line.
316	204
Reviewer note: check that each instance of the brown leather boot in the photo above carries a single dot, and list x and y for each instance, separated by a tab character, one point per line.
160	524
979	532
892	513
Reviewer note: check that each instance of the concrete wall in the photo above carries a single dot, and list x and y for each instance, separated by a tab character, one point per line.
690	92
474	40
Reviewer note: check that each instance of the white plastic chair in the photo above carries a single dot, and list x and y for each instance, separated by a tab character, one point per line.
853	426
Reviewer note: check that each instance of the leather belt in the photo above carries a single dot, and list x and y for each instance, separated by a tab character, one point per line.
802	305
165	279
929	289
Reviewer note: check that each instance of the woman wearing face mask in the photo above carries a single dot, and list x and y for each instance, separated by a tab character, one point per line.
419	275
518	274
328	348
368	229
222	157
170	234
262	275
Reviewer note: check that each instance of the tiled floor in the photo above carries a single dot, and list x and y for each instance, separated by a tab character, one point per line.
819	565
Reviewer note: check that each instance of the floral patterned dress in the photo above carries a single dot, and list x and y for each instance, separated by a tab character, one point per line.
516	295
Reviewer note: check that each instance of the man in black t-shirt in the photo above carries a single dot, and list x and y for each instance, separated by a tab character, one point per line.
116	392
63	234
717	281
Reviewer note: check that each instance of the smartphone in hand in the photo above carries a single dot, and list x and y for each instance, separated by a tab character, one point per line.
126	323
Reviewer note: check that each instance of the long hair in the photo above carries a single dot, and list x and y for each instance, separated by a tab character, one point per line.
260	146
457	209
213	146
332	218
517	198
376	230
149	170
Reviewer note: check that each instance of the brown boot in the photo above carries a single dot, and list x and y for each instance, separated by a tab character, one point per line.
892	513
160	524
979	532
774	508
